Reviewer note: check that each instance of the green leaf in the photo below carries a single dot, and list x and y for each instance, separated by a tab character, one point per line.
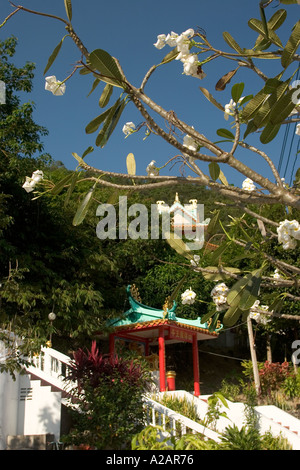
218	275
291	46
237	91
95	84
170	56
277	305
107	66
78	158
95	123
258	26
282	108
223	178
87	151
269	133
85	71
206	317
105	96
251	127
271	85
110	123
277	19
264	20
214	170
231	42
231	316
245	291
217	254
246	99
262	44
288	2
130	163
221	398
210	98
225	133
60	185
253	106
177	244
262	116
68	7
74	180
83	207
54	54
213	225
175	292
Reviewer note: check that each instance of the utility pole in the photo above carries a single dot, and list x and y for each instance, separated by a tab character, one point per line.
253	355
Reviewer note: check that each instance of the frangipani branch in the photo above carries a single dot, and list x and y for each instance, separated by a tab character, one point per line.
138	96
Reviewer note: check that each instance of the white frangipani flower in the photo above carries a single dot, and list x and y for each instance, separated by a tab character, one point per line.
188	297
220	302
31	182
231	107
190	64
298	129
55	86
152	169
276	274
219	296
161	41
288	232
183	45
284	184
37	176
220	288
248	185
171	39
195	260
189	143
259	317
128	128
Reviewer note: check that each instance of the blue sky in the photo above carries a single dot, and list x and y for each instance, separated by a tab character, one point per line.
127	30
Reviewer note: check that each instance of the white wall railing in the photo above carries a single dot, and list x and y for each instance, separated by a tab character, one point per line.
174	423
52	367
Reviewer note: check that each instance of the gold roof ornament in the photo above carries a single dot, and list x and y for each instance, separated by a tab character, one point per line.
167	305
135	293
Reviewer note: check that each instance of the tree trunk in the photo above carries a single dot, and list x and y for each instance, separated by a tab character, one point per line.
253	356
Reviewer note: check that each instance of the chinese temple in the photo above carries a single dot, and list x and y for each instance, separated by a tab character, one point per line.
144	327
187	219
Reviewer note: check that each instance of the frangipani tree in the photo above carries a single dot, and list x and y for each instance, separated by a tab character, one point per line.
276	104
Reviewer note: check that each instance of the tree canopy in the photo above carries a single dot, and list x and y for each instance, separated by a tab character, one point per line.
257	240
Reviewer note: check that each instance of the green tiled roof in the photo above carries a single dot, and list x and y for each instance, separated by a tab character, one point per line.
140	313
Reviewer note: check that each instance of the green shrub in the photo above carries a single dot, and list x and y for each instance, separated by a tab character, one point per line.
291	386
181	406
150	438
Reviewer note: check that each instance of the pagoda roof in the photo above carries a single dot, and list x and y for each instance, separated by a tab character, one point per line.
140	318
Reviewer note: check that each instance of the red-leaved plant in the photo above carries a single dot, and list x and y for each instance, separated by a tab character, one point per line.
109	393
95	367
272	375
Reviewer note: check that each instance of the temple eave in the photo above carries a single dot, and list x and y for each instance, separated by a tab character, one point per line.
147	329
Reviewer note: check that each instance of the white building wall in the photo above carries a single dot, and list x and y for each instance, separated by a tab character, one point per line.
39	409
9	403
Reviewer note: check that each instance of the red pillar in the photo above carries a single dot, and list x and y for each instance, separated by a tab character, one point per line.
161	356
196	366
112	344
